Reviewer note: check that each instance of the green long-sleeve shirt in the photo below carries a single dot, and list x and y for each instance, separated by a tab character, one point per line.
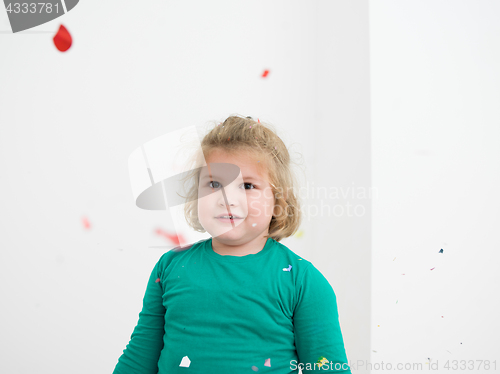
205	313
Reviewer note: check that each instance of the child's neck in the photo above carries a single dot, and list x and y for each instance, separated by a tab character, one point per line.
228	248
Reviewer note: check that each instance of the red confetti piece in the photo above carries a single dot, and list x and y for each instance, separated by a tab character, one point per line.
171	237
62	40
86	223
156	281
264	74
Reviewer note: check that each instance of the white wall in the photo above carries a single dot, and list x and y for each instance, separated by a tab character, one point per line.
435	162
68	122
399	102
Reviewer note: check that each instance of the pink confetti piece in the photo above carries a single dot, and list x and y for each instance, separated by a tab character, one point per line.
156	281
268	362
175	239
433	268
86	223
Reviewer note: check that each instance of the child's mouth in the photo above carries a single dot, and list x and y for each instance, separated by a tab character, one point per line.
227	219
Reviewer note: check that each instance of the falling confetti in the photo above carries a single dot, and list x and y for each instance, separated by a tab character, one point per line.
441	251
86	223
374	351
289	268
433	268
185	362
268	362
322	361
156	281
299	234
63	40
394	258
255	368
174	238
254	224
264	74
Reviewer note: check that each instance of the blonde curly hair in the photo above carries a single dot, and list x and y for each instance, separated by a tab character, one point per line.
258	141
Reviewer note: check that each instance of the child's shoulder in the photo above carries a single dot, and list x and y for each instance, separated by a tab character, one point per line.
294	259
178	251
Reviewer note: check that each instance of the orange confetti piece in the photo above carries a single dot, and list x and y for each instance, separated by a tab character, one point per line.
265	73
63	40
156	281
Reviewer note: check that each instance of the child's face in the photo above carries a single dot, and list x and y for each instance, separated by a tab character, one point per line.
249	196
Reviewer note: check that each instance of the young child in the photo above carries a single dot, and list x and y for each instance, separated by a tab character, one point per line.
239	302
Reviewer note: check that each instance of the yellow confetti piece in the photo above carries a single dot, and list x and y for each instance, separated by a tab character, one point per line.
299	233
322	361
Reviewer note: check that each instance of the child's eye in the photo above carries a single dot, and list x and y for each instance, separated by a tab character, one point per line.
209	183
218	184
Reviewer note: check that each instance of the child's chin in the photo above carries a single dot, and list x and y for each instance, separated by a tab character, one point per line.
225	233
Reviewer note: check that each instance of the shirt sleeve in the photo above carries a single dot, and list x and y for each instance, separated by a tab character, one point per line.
146	342
318	338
